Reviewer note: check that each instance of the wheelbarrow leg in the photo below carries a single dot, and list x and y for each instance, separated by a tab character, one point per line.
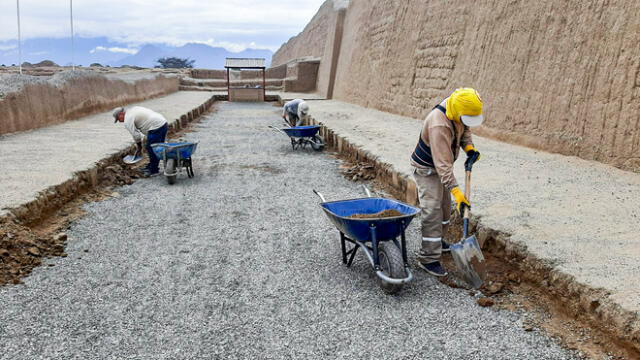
352	252
344	248
189	166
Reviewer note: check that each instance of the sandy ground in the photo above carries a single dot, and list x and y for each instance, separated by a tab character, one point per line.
32	161
240	262
577	215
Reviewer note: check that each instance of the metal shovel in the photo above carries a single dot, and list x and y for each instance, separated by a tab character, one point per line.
132	159
467	253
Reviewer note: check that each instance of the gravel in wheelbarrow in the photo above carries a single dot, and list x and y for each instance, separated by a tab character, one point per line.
381	214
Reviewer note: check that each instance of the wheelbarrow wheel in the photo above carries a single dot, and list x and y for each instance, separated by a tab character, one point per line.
317	143
392	265
170	168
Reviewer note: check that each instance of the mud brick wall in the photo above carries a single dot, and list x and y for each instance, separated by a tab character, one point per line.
302	76
561	76
39	105
208	74
310	42
278	72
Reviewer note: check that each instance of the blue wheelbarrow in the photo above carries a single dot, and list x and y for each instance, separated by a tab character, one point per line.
361	223
301	136
175	156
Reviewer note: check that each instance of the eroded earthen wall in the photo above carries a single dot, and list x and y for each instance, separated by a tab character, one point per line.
562	76
311	41
39	105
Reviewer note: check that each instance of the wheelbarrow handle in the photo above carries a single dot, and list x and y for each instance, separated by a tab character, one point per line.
278	130
319	195
366	190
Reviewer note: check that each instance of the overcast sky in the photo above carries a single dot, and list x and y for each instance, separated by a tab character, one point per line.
233	24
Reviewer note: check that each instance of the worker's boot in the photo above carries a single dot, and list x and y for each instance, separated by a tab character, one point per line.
434	268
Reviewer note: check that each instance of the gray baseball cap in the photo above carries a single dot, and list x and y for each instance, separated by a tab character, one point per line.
117	112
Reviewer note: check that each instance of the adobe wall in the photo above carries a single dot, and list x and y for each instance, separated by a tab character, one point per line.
559	76
302	76
310	42
39	105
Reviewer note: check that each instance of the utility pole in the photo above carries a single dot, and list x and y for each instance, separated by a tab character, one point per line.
19	38
73	64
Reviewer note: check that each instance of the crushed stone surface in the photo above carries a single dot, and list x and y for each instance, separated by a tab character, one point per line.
241	263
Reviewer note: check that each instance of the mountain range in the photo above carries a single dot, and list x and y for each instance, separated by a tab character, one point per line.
106	52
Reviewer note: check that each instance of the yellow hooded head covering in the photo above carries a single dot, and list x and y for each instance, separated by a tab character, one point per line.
465	105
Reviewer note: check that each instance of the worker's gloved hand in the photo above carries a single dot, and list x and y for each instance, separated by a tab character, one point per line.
473	155
460	199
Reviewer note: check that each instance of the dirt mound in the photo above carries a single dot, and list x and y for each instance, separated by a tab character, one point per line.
358	171
22	249
381	214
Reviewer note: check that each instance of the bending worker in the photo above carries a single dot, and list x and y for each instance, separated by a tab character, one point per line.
445	131
295	111
142	122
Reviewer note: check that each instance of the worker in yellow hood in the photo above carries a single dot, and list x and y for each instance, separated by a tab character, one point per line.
444	133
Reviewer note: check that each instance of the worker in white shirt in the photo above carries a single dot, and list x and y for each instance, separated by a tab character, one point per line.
142	122
295	111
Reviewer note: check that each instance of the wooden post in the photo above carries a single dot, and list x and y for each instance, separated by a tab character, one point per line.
228	87
264	84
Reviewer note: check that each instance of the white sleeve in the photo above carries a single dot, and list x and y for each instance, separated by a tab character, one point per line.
129	124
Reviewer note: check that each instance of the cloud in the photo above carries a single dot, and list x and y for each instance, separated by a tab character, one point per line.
233	23
114	50
8	47
232	46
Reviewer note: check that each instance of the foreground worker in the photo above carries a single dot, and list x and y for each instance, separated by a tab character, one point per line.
142	122
445	131
295	111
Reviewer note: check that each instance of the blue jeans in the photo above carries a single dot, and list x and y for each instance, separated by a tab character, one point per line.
153	137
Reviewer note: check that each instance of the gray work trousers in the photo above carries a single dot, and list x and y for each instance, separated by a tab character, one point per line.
435	203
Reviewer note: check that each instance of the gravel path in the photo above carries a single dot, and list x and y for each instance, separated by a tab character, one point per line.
240	262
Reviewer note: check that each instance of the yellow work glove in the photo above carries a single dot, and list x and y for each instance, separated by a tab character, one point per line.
461	200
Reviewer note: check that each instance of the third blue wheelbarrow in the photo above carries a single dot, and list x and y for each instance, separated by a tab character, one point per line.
301	136
175	156
363	223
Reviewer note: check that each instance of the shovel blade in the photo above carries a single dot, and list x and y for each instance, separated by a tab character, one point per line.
131	159
469	259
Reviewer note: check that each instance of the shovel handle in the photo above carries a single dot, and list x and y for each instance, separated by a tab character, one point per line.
467	194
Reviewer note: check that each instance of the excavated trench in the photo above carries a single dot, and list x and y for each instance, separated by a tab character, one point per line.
36	230
579	316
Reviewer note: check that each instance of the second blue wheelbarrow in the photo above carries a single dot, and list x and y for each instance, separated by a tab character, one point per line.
374	224
301	136
175	156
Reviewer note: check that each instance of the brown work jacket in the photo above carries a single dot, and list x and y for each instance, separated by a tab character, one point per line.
445	138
